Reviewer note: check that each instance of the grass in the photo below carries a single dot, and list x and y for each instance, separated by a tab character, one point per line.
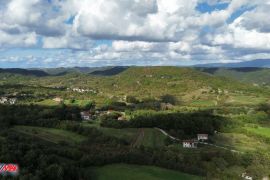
240	142
134	172
152	138
127	133
262	131
47	102
248	100
138	137
77	102
202	103
51	134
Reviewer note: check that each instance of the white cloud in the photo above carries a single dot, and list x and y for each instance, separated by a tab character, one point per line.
157	31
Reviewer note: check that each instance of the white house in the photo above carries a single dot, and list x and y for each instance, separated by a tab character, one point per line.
203	137
246	177
190	143
58	99
6	100
121	118
3	100
85	115
12	100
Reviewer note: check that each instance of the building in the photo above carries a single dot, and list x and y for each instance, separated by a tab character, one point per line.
190	143
6	100
203	137
85	116
58	99
3	100
246	177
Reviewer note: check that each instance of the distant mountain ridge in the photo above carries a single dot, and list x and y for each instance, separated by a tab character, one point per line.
259	63
25	72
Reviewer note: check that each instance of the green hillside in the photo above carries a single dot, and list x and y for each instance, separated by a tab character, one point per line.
188	85
133	172
256	76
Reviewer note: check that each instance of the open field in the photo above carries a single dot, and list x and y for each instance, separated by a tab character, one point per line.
262	131
240	142
51	134
248	100
134	172
148	137
127	133
151	138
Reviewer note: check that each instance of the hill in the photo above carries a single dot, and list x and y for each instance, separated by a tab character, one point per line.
261	63
252	75
25	72
109	71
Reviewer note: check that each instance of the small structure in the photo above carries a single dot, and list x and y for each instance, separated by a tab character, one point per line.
3	100
85	115
246	177
12	100
121	118
203	137
58	99
190	143
6	100
109	112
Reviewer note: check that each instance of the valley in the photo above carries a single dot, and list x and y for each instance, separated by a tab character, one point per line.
135	123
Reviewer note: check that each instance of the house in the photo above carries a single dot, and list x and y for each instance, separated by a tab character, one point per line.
246	177
121	118
190	143
58	99
203	137
3	100
109	112
85	115
6	100
12	100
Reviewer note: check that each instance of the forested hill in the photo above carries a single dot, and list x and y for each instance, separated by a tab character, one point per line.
260	76
25	72
145	82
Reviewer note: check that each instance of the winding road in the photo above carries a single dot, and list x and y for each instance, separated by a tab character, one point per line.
205	143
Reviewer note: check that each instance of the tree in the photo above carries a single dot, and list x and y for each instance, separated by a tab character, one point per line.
131	99
167	98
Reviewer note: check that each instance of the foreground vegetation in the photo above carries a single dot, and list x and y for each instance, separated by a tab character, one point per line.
132	172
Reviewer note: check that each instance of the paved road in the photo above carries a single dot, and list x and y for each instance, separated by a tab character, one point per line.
205	143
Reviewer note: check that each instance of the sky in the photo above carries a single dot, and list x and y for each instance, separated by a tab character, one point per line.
68	33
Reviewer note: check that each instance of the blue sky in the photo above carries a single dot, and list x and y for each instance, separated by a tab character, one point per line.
37	33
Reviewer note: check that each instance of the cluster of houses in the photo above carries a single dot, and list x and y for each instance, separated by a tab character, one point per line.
89	116
193	143
6	100
80	90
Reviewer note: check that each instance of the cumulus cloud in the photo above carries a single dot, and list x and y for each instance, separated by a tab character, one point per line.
140	31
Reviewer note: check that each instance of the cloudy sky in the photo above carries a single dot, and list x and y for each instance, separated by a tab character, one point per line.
51	33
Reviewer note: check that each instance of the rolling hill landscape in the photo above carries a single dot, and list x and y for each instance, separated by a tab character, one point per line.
134	90
128	110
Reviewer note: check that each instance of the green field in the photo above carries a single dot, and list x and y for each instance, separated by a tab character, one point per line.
127	133
240	142
47	102
134	172
262	131
248	100
150	138
51	134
